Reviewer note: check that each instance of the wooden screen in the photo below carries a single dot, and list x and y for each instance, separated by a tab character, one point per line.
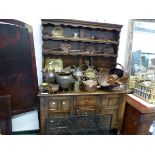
18	76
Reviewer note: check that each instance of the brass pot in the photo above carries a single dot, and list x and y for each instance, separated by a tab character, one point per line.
65	81
90	85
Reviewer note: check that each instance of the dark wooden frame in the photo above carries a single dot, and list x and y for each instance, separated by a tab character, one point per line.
5	115
17	109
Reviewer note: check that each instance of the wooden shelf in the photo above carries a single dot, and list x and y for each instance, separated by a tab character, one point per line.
48	52
101	41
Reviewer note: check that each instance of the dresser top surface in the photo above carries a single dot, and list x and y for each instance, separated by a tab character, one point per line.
80	93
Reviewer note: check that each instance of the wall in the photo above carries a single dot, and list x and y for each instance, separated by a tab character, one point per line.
29	121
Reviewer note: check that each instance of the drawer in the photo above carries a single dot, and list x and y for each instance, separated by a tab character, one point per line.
53	105
86	101
65	104
60	104
110	100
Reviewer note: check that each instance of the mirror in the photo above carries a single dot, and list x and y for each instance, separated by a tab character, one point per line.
142	59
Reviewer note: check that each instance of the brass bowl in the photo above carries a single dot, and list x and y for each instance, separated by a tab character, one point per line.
44	87
53	88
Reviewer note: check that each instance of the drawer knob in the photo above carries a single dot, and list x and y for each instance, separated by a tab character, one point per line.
63	102
53	102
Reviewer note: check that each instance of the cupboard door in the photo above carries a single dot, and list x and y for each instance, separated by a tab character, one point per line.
18	76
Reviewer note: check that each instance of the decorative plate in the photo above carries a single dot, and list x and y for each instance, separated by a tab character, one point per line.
65	47
54	64
57	31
